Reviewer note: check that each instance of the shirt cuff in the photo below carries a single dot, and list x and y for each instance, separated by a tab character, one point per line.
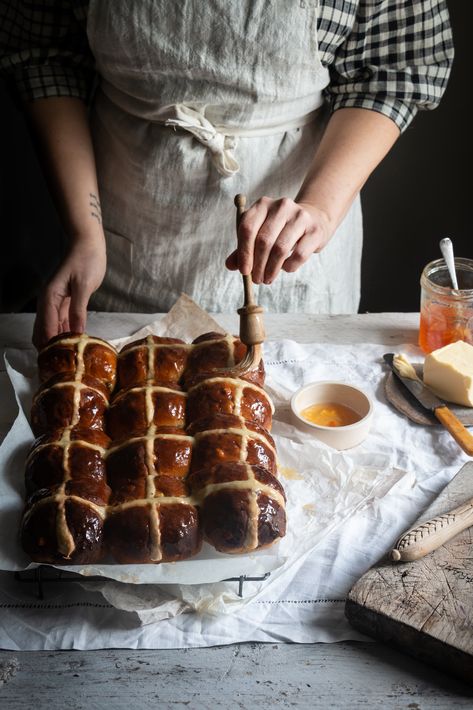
398	111
51	80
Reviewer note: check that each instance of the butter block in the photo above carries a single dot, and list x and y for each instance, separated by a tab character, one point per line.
448	372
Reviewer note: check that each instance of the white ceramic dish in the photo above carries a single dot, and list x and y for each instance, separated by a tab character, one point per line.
341	437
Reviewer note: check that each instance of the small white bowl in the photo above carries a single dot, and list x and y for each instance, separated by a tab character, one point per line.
340	437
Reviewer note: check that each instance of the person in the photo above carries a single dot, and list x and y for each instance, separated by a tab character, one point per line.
292	103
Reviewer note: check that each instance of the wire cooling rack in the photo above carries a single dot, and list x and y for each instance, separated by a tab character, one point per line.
45	575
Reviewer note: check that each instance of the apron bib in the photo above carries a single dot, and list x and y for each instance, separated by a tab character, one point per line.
199	101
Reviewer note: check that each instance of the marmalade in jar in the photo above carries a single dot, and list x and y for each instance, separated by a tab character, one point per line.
446	315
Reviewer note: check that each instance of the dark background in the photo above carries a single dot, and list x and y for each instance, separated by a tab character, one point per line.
417	196
420	193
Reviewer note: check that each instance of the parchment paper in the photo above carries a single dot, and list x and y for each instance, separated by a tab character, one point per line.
323	488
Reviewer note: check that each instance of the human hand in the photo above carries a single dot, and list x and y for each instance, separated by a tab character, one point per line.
62	305
278	234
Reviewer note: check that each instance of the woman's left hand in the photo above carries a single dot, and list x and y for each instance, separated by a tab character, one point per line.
278	234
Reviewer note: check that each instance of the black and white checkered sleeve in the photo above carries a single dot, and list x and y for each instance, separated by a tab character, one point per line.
44	50
395	60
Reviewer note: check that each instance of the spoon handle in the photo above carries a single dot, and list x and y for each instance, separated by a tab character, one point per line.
446	248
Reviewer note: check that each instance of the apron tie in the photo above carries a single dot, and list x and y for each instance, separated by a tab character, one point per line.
219	144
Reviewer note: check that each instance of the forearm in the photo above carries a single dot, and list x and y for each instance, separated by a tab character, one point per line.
62	131
354	143
63	135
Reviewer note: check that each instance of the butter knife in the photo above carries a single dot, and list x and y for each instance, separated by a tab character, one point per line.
431	402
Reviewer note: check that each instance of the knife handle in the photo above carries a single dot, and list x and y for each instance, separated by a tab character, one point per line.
431	534
461	435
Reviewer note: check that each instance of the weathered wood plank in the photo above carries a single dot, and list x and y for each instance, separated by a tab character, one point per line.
318	676
388	328
425	607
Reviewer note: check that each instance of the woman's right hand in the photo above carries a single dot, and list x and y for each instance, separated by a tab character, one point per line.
62	304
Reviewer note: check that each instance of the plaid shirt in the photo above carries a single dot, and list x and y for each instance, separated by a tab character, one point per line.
391	56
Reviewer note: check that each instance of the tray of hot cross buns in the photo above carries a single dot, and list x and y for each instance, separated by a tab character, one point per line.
142	455
153	460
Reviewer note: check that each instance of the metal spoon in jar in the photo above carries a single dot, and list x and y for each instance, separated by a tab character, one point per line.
446	247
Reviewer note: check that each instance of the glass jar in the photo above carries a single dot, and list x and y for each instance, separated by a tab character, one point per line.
446	315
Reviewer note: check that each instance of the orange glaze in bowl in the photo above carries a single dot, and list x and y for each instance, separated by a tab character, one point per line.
330	414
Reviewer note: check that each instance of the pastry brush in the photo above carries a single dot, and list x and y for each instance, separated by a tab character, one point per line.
251	321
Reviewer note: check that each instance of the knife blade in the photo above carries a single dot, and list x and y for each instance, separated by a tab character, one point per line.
424	396
430	401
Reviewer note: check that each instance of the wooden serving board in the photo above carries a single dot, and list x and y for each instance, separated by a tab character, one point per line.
425	608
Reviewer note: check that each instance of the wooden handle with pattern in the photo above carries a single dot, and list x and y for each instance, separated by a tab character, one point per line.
431	534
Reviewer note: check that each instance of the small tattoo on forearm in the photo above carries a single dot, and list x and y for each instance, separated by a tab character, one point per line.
96	209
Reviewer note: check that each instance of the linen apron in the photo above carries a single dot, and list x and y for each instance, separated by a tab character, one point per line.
200	100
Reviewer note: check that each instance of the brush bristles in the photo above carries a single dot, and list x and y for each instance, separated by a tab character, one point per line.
250	362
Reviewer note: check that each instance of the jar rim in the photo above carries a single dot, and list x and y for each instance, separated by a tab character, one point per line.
437	265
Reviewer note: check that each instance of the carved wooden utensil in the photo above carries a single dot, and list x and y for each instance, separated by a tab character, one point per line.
431	534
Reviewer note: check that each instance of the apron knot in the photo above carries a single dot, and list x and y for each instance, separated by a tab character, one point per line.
219	145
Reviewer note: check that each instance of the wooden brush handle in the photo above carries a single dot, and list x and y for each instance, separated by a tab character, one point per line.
431	534
240	204
461	435
251	320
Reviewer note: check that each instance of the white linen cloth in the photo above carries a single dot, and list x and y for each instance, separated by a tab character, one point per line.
300	602
198	102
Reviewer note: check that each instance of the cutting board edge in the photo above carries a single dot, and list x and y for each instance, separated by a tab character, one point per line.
407	639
